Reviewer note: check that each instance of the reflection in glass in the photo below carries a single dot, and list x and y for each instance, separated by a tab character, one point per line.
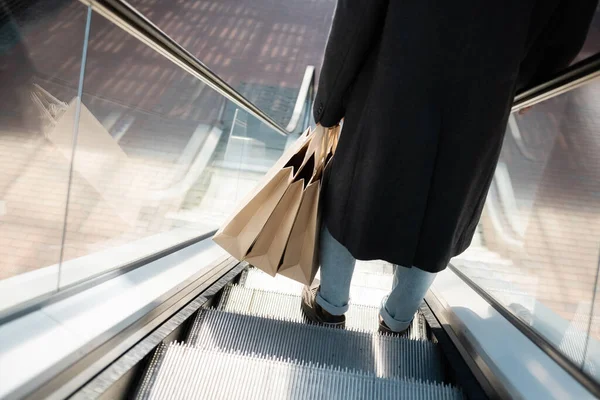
160	157
260	47
40	60
591	362
537	245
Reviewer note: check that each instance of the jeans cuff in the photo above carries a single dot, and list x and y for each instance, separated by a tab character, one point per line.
330	308
392	323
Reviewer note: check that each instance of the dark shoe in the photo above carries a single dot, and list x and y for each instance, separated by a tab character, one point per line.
315	313
384	329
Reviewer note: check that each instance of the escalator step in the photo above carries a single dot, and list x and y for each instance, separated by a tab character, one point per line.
371	287
243	300
385	356
184	372
256	279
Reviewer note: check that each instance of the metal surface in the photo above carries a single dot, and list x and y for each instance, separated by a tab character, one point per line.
368	289
130	20
117	381
70	290
552	352
385	356
74	371
572	78
304	99
268	304
457	369
256	279
185	372
489	382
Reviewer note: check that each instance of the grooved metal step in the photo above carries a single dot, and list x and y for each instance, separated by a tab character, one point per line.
367	289
184	372
385	356
256	279
268	304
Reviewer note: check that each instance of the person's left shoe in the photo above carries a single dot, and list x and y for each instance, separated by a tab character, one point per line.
315	313
385	329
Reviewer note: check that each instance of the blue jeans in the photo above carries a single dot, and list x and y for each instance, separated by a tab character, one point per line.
397	309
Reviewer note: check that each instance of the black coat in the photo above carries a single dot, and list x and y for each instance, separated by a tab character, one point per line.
425	89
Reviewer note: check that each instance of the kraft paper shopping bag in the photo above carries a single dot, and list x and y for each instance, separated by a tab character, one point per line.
267	252
301	257
240	231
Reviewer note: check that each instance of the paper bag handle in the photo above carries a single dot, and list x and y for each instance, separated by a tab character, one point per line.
326	140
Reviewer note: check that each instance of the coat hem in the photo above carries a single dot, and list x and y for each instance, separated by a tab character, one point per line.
360	256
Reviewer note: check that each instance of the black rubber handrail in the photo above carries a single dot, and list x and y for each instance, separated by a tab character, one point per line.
567	80
46	299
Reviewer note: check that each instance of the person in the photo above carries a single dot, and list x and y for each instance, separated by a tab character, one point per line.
424	89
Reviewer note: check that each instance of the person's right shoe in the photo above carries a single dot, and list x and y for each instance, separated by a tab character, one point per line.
315	313
384	329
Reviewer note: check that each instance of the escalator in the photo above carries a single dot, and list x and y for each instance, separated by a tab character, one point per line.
255	344
229	331
245	337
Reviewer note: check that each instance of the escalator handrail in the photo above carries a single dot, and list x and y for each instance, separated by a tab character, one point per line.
132	21
304	98
577	371
569	79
